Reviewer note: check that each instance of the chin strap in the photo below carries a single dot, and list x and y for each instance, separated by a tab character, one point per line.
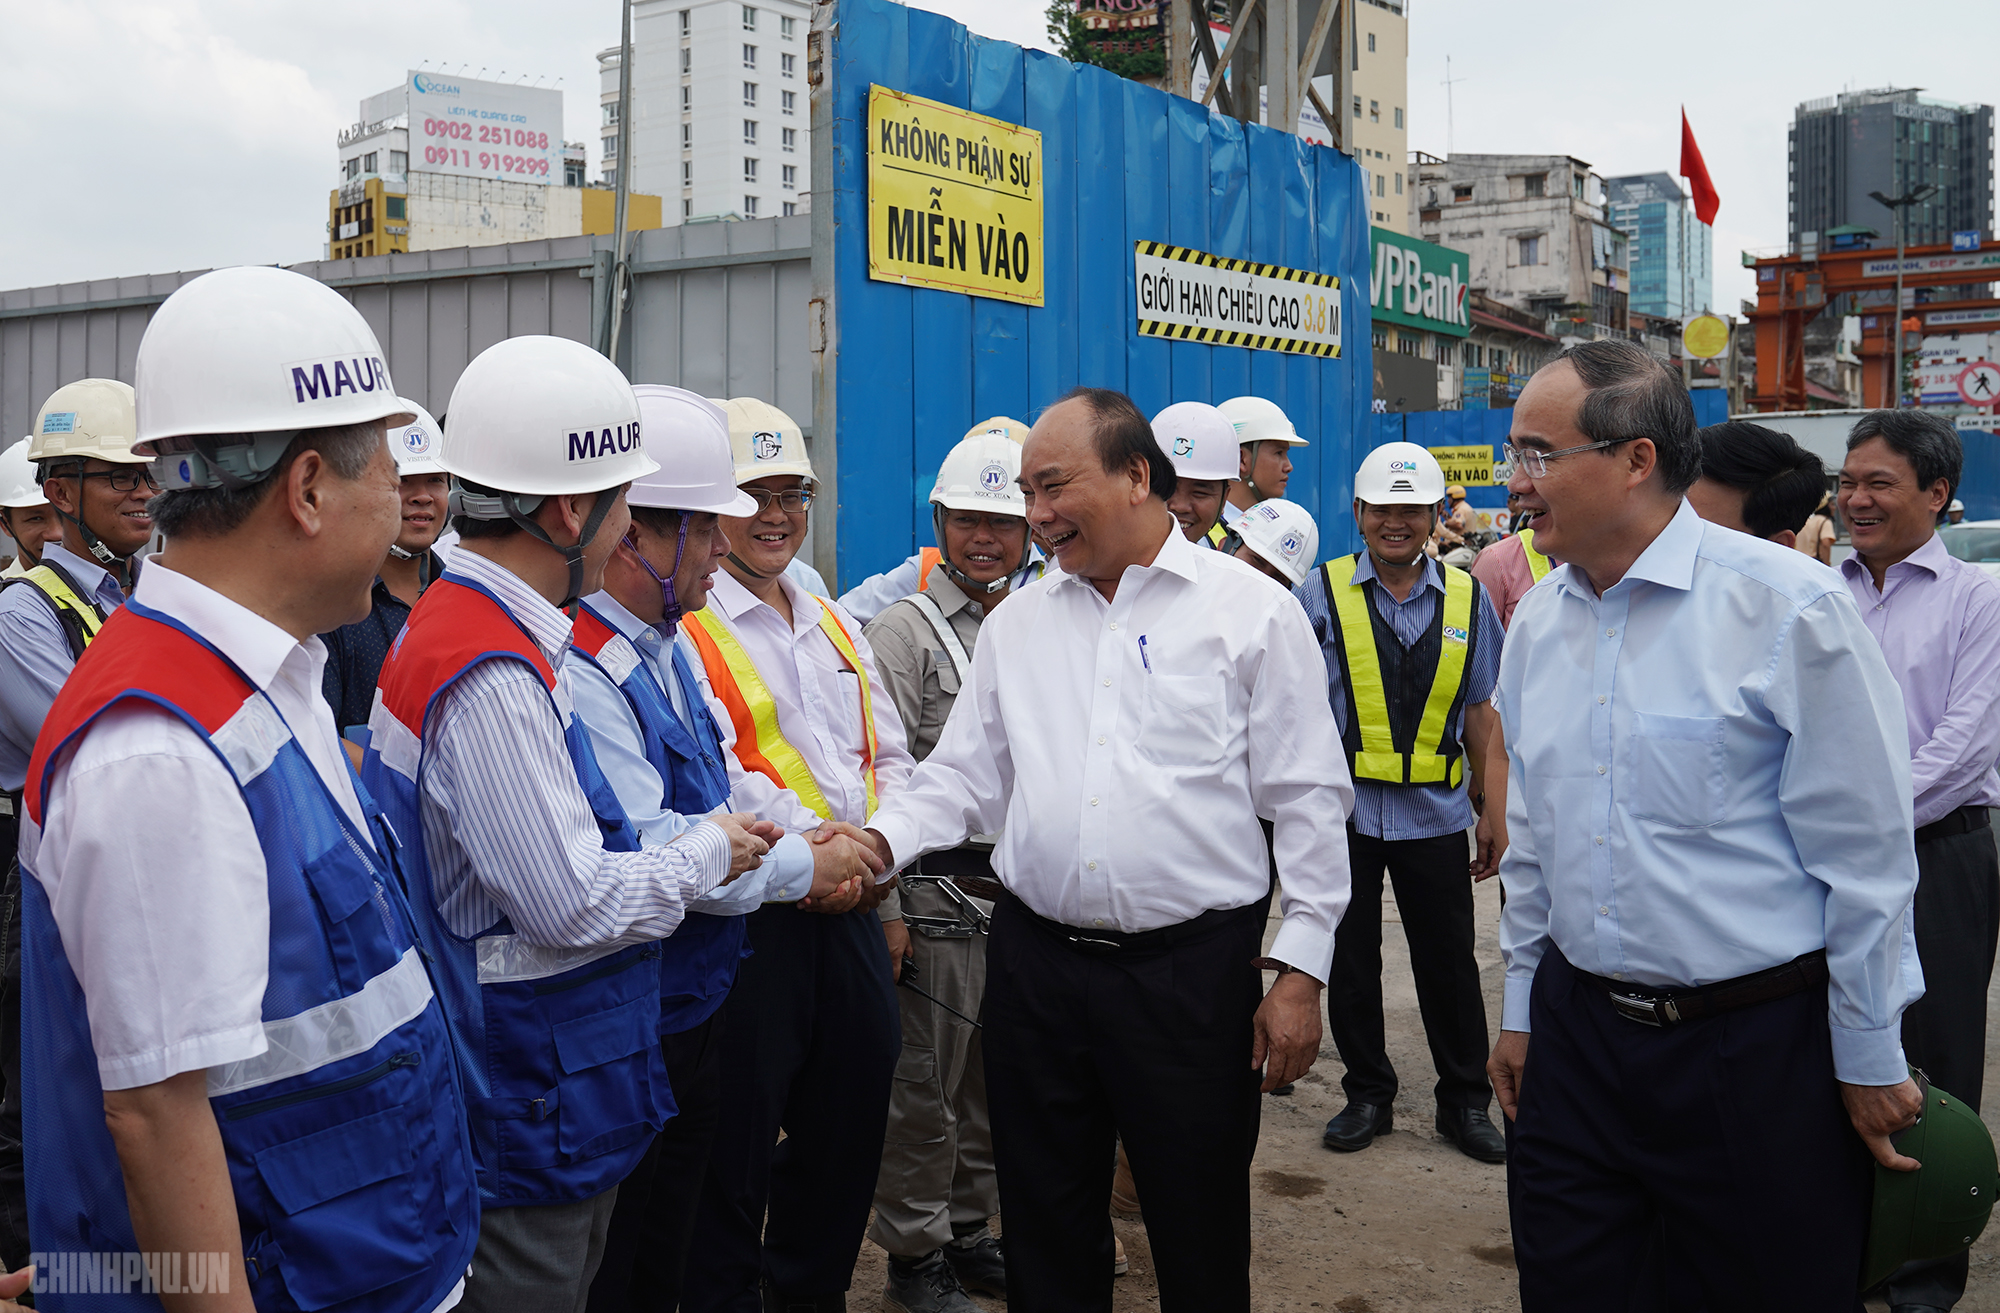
744	566
670	604
520	507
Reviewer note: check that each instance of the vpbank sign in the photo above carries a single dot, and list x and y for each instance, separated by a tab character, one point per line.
1418	284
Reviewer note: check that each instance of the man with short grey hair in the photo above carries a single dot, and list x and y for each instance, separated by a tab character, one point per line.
1938	621
1709	881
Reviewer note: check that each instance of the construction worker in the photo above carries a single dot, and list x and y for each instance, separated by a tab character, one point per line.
872	596
25	514
530	887
236	1065
354	653
1264	461
1412	650
937	1189
811	1030
1279	538
1201	442
661	751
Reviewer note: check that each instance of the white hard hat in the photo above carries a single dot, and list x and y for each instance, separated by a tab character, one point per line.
1283	533
543	417
1956	505
1199	439
236	362
979	475
90	418
1258	420
764	441
19	488
690	438
415	444
1399	474
1012	429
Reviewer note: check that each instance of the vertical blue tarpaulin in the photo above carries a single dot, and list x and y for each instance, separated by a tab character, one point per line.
1121	163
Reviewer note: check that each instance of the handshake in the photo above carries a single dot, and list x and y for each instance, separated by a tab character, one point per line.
846	861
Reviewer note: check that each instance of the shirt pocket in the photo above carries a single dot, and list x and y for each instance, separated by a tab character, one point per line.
1181	719
1679	770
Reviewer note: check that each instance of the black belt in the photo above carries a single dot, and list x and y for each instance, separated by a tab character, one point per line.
1671	1007
1109	942
1962	821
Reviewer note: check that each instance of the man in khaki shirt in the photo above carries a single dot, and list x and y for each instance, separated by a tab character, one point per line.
937	1189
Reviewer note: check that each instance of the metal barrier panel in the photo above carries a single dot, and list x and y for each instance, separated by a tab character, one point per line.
914	368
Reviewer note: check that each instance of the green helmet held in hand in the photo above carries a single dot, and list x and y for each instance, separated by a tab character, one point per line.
1941	1209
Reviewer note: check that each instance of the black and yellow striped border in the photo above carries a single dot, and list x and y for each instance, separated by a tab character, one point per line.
1228	337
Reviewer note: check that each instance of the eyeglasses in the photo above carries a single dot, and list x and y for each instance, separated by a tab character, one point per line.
1536	463
126	480
791	501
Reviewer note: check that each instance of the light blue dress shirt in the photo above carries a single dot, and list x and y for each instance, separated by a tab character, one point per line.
34	656
1407	811
620	744
1710	777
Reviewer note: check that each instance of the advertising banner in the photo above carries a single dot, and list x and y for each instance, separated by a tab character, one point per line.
1418	284
954	199
1967	262
478	129
1193	296
1475	388
1470	466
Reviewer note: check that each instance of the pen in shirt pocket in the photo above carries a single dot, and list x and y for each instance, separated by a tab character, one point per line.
1142	654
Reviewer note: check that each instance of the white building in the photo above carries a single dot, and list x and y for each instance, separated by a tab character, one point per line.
720	108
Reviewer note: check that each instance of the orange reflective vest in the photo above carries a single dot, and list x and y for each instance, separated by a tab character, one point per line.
760	743
928	559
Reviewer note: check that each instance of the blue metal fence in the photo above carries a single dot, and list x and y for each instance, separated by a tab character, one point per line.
915	368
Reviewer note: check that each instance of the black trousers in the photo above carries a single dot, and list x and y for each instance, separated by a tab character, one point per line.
809	1047
1727	1136
1944	1032
1434	897
1153	1048
14	1243
645	1252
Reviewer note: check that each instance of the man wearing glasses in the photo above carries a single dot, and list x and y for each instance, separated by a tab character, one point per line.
1707	928
82	448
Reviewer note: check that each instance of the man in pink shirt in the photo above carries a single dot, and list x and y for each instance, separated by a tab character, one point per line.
1510	567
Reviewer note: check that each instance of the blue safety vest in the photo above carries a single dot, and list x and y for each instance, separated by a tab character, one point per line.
698	961
345	1138
564	1079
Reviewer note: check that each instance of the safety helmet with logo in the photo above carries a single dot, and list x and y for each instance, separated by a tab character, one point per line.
981	474
1939	1210
1012	429
1259	420
765	441
1399	474
90	419
689	436
1283	533
415	444
1199	439
238	362
538	417
20	489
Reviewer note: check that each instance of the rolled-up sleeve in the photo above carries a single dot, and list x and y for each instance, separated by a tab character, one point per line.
1844	792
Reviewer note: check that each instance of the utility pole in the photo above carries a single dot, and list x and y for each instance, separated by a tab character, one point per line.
1897	208
1448	117
624	191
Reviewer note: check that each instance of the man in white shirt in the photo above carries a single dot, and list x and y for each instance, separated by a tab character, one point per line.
1126	724
811	1032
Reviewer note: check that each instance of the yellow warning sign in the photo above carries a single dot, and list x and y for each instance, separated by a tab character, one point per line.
1471	466
954	199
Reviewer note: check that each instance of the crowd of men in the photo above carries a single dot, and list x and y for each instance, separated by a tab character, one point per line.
479	865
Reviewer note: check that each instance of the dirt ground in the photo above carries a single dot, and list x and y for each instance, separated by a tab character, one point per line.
1408	1224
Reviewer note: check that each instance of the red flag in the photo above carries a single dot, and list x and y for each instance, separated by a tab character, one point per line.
1695	170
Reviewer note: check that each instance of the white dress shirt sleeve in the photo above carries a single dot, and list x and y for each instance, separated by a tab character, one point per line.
1524	913
157	884
749	791
893	762
1845	795
877	593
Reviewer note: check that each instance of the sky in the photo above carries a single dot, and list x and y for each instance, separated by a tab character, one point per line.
154	135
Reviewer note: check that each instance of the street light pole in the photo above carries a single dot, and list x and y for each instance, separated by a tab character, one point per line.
1897	207
622	196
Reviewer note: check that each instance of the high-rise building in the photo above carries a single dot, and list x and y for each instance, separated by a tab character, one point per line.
1379	115
720	108
443	161
1892	141
1671	251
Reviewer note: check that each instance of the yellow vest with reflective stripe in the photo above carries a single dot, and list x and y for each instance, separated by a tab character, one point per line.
88	621
1538	564
760	744
1216	533
1379	759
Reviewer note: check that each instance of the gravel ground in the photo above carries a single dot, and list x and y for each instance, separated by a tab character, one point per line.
1408	1224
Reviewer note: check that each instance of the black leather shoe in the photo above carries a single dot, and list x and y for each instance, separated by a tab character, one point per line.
1474	1133
1358	1125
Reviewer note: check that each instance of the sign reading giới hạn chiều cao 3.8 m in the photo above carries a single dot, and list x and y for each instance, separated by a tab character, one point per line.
954	199
1192	296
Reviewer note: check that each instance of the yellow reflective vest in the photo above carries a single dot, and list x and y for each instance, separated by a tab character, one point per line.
1379	748
79	617
1216	533
1538	564
760	744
